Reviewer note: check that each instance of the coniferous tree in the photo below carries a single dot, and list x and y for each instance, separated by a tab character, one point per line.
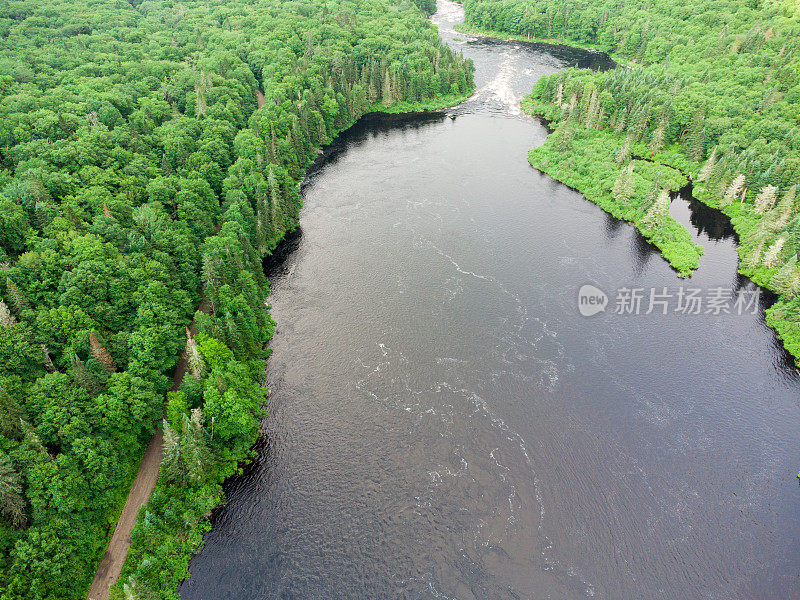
718	178
624	154
754	257
733	191
211	279
197	366
562	138
624	185
784	210
386	89
622	121
657	141
787	280
592	110
85	378
12	502
100	354
6	318
573	104
696	137
195	448
273	145
275	212
658	211
640	122
773	252
16	295
708	167
171	463
47	360
765	199
649	200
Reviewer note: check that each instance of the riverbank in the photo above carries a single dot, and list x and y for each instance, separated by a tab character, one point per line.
169	550
425	106
590	165
494	34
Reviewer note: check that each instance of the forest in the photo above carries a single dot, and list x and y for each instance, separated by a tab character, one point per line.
706	92
150	160
141	186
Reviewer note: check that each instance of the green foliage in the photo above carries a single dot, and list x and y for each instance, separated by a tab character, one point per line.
14	228
177	409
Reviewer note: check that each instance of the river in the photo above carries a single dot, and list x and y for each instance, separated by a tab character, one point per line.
445	424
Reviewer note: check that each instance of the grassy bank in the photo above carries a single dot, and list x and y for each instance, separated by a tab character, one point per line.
428	105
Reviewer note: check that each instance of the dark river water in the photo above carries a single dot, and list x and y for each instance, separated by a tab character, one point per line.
445	424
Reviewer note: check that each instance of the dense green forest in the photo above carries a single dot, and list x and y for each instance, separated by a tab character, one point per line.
707	91
138	177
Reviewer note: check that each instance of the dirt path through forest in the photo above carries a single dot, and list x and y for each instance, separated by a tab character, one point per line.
110	566
117	551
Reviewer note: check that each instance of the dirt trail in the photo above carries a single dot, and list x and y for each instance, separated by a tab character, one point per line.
110	566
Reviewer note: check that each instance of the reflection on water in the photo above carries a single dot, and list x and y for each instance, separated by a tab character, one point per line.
444	424
704	222
709	221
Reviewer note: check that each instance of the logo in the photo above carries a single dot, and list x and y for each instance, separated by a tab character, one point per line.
591	300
